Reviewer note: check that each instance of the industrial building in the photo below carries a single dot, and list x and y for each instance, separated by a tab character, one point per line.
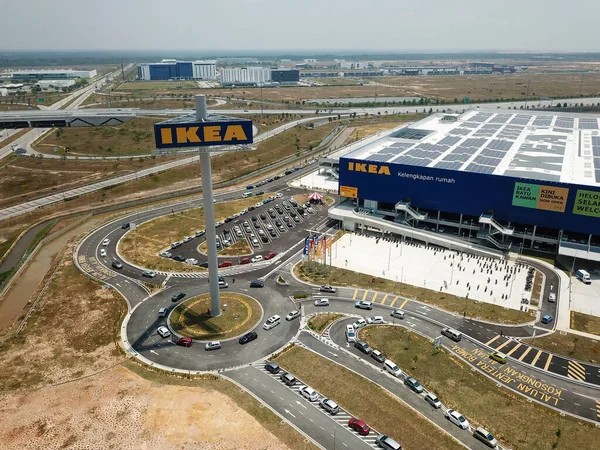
45	84
245	76
170	69
50	74
500	178
285	76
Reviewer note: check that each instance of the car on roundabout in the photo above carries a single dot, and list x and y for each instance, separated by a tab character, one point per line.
212	345
328	288
148	273
322	302
177	297
359	426
292	315
309	393
248	337
398	314
105	242
375	320
359	323
364	305
163	332
184	341
257	284
117	265
162	312
102	253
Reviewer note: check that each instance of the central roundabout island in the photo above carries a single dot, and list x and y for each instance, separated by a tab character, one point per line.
239	314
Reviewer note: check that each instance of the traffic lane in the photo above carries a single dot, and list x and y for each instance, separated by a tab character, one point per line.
554	392
547	308
310	419
376	374
144	322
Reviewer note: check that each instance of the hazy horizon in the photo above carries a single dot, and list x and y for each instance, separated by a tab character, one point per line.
385	26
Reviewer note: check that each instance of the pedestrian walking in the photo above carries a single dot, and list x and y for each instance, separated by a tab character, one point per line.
233	280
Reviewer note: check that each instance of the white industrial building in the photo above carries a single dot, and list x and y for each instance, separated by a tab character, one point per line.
359	65
205	70
45	84
50	74
245	75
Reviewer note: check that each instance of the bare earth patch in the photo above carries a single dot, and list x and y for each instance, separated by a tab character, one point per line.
119	409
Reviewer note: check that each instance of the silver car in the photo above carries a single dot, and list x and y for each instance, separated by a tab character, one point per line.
322	302
330	406
212	345
292	315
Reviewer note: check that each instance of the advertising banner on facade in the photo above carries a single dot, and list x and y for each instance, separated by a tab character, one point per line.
549	198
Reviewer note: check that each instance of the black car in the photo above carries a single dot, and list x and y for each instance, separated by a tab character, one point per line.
272	233
248	337
177	297
272	367
204	264
260	193
293	202
263	217
256	225
254	218
257	284
265	239
117	265
180	258
251	208
278	223
125	226
229	219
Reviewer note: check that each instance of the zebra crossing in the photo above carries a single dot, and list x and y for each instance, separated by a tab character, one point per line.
235	270
342	417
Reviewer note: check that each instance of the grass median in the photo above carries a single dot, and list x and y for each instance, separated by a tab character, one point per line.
509	417
585	323
569	345
321	321
366	400
239	248
318	274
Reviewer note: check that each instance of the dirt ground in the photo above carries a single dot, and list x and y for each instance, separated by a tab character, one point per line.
121	410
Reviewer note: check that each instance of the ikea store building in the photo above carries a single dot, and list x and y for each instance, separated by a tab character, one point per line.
500	178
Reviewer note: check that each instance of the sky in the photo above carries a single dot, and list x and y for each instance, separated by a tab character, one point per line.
286	25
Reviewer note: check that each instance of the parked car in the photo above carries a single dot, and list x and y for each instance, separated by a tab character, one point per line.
272	367
327	288
163	332
457	419
359	323
359	426
330	406
292	315
288	378
309	393
177	297
322	302
248	337
179	258
547	319
200	233
245	261
148	273
212	345
117	265
483	435
257	284
364	305
184	341
375	320
432	399
552	297
166	254
191	261
225	264
187	239
270	255
377	356
387	442
414	385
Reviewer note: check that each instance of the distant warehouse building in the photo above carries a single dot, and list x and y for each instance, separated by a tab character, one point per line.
45	84
500	178
285	76
245	76
51	74
177	70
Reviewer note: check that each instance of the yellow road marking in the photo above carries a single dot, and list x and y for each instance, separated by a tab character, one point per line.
492	339
355	293
548	362
384	299
537	356
513	350
365	295
576	370
404	303
525	354
598	409
504	344
393	301
374	297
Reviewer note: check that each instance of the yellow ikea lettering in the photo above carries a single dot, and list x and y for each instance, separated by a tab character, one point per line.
368	168
185	135
235	132
166	136
385	170
212	134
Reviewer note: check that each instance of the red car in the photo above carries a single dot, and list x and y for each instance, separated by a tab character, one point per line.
359	426
270	255
245	261
225	264
185	341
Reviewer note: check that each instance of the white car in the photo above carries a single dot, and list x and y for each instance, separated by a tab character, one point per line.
105	242
272	322
375	320
309	393
200	233
218	224
292	315
187	239
257	258
258	205
433	400
102	252
191	261
162	312
166	254
148	273
164	332
226	242
212	345
552	297
359	324
279	195
243	211
398	314
235	216
254	242
457	419
322	302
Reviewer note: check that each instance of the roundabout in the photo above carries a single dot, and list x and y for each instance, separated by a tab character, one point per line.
240	314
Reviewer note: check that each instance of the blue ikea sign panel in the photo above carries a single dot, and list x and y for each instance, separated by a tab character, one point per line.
203	134
527	201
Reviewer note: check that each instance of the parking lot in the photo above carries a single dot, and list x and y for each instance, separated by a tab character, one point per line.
268	227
